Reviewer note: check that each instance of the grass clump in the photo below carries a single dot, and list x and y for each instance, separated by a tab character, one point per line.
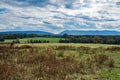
54	63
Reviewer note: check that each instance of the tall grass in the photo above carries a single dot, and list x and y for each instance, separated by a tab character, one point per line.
50	63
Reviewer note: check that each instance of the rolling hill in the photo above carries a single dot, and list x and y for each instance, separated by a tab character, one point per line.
27	32
90	32
69	32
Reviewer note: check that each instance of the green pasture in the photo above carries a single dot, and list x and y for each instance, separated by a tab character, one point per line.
24	40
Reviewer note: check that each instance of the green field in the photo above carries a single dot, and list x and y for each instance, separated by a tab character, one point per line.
56	61
24	40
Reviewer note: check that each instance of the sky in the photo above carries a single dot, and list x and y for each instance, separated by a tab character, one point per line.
58	15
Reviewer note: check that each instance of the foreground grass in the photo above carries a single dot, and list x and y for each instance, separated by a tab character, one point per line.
72	44
59	62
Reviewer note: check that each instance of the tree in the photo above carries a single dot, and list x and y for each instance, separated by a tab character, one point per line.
31	41
72	39
40	41
65	35
96	39
109	40
44	41
2	40
16	41
84	39
48	41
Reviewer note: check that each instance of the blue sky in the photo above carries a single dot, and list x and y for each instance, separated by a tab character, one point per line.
58	15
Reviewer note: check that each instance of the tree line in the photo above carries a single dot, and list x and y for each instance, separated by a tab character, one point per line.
67	38
21	35
90	39
31	41
38	41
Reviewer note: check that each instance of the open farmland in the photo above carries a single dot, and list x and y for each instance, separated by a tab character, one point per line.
25	40
60	62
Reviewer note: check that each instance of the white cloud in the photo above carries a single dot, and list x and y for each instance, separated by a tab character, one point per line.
57	15
2	27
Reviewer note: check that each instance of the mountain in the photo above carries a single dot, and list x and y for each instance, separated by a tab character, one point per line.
90	32
69	32
27	32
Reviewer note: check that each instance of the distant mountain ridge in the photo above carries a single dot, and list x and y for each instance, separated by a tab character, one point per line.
90	32
69	32
27	32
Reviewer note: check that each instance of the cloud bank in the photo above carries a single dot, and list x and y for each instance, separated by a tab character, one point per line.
58	15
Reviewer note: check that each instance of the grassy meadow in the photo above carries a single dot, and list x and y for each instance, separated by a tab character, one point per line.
53	61
25	40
